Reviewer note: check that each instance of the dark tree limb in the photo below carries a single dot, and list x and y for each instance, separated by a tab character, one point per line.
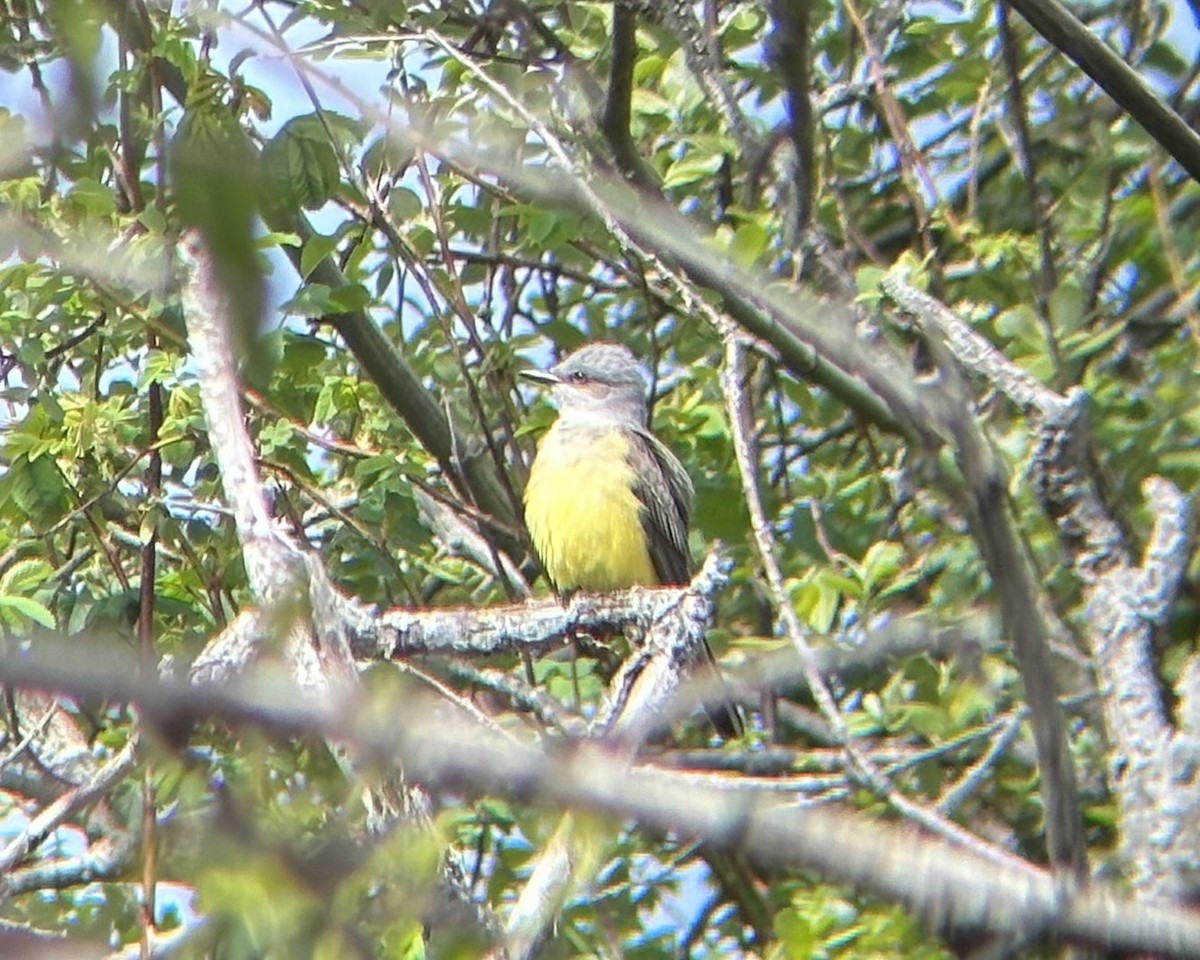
791	49
1065	31
1047	275
1018	594
616	118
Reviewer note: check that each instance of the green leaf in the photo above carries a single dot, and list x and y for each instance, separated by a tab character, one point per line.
28	609
316	249
1018	323
36	488
25	576
795	934
311	300
403	204
387	157
882	561
817	602
300	165
348	298
690	168
1066	306
1086	344
750	242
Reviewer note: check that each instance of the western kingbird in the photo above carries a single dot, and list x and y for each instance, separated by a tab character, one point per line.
607	504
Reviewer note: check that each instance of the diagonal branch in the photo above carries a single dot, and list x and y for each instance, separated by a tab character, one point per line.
865	374
860	766
1152	767
1012	579
1065	31
296	599
617	105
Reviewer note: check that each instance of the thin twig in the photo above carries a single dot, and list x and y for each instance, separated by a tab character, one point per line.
860	767
53	815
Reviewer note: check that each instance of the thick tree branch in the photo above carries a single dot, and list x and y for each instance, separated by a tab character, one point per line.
616	118
1152	768
296	599
790	46
952	890
1024	624
108	856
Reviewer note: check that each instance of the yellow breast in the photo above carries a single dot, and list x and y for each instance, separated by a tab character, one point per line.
582	512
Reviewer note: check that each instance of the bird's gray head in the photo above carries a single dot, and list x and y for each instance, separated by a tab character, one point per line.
602	381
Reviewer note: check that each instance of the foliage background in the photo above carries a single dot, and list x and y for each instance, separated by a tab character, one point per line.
419	251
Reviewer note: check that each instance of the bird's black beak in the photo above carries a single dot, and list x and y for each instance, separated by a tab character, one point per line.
540	376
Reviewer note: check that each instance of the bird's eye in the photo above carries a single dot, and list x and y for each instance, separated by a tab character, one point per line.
579	376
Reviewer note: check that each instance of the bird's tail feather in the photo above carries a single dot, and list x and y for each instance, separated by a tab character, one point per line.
722	712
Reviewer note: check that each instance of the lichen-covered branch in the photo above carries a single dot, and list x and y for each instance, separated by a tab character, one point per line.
296	599
1153	767
647	692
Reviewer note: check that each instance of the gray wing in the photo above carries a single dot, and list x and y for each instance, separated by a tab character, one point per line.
665	491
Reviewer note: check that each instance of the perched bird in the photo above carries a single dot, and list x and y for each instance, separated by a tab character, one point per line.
607	504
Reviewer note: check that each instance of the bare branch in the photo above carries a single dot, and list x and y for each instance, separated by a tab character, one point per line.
1061	27
461	455
104	858
615	122
951	889
860	766
52	816
1047	276
1152	768
790	45
971	350
532	917
297	599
